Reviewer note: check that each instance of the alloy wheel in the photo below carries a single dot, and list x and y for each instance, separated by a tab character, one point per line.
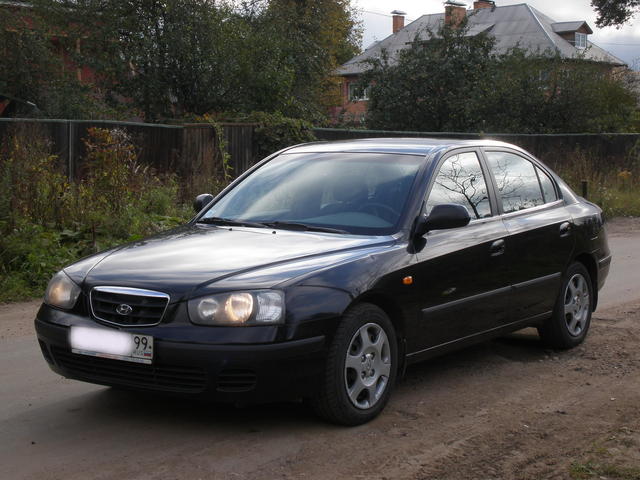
576	304
367	366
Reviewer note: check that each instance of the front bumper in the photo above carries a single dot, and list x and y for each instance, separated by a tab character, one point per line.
248	373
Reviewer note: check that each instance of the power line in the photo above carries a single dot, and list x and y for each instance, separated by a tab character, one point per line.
376	13
621	44
383	14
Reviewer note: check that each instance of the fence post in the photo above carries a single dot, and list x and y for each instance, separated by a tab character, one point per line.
585	188
71	150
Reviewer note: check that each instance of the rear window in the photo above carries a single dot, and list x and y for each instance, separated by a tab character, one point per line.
516	180
548	189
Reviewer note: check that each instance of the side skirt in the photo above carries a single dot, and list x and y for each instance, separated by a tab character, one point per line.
420	355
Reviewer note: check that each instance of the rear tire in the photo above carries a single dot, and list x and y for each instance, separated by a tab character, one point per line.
361	368
569	324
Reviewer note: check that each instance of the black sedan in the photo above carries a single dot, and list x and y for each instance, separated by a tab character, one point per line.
326	269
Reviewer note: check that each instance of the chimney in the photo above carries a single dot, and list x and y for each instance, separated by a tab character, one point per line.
398	20
454	13
483	4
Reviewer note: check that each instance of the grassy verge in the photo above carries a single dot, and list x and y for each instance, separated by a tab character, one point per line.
615	188
615	456
47	222
592	469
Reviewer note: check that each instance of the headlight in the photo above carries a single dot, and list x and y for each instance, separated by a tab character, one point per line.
61	292
260	307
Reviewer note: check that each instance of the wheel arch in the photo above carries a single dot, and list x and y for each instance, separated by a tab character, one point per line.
394	311
590	264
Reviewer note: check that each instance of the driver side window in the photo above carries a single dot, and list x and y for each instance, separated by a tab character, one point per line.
461	181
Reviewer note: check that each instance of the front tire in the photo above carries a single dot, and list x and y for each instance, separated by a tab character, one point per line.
568	325
361	367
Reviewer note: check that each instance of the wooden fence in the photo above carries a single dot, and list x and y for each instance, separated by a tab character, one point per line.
192	149
183	149
607	149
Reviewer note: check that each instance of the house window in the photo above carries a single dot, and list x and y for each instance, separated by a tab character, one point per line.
356	94
581	40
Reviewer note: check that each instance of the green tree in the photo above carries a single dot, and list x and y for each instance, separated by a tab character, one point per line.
174	58
35	75
167	57
455	82
311	38
615	12
545	93
435	85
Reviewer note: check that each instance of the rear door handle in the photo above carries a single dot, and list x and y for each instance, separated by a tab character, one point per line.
565	229
497	248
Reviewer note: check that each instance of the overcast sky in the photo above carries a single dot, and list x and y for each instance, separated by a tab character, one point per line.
623	43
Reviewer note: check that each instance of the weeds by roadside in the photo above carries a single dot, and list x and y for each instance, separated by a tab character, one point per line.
47	221
615	188
613	457
603	470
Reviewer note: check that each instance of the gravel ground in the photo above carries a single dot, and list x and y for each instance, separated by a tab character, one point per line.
506	409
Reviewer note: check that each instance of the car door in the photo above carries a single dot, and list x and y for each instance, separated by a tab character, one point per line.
461	274
540	238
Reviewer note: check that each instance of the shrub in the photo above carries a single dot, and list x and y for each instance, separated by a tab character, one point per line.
32	183
47	222
614	187
450	81
275	131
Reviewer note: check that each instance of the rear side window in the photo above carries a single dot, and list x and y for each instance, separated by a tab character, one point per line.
461	181
517	181
548	190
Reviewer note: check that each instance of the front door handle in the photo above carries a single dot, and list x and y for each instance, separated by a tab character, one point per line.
497	248
565	229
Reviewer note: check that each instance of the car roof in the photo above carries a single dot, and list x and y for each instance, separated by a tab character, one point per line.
403	146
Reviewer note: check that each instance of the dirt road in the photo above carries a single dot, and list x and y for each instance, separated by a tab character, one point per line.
507	409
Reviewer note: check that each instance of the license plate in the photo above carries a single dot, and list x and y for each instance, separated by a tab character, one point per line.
99	342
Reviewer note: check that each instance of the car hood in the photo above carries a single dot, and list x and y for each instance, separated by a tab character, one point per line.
197	257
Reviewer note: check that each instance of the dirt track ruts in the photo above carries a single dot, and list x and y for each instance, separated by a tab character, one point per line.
506	409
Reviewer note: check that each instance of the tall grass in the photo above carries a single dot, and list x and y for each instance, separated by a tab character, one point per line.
613	185
47	221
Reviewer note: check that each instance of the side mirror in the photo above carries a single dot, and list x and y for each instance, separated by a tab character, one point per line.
201	201
442	217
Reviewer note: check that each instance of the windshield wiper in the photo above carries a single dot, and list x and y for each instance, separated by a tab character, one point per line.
229	222
303	227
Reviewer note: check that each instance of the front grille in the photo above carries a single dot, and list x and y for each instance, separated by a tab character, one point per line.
117	372
128	306
236	380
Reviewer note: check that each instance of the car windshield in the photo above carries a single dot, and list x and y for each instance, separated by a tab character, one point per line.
358	193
